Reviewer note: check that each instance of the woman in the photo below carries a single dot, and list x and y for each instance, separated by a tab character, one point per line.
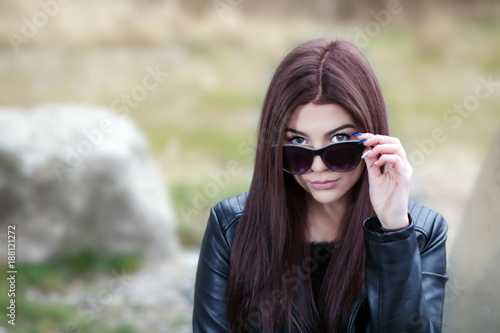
323	241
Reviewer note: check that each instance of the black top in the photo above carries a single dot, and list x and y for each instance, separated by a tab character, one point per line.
321	253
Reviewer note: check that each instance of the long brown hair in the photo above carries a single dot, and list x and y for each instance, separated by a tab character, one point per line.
268	277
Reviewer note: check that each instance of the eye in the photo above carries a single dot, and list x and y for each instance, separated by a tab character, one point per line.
298	140
341	137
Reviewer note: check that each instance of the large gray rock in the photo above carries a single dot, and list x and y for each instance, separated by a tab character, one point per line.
75	177
472	301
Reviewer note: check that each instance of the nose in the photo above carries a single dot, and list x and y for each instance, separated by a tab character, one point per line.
318	165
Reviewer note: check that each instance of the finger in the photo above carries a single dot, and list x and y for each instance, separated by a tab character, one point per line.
395	164
369	161
389	148
361	136
374	139
392	144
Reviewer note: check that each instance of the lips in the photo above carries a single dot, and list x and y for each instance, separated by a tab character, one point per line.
323	184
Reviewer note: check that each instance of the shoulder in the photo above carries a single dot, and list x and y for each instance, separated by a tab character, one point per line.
228	211
429	224
221	226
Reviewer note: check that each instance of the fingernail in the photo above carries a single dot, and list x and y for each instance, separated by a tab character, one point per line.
356	134
373	164
362	141
366	153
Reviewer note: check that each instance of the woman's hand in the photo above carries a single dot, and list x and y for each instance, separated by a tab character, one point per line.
389	191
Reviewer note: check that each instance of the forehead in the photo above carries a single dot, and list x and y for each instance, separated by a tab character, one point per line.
319	119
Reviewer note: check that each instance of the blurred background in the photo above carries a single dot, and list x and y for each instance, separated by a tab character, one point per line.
123	122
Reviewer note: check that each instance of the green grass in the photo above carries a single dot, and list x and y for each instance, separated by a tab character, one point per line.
35	316
85	264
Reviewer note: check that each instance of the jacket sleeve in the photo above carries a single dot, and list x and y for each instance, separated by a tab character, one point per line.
405	274
209	312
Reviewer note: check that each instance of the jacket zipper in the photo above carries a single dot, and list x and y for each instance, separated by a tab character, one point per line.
296	324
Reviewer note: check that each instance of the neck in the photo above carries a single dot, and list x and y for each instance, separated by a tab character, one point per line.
325	220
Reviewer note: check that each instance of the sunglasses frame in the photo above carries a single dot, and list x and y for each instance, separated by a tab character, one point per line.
314	152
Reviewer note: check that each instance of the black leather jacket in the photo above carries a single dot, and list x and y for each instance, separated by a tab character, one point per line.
404	280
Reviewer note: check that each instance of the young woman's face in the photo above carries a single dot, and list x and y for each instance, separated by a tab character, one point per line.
316	126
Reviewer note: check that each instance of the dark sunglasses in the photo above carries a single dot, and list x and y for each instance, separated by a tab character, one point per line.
340	157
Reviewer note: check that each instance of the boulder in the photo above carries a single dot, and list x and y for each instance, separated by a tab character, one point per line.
472	301
80	177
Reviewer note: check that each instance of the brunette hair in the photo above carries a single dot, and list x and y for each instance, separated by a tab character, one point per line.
268	278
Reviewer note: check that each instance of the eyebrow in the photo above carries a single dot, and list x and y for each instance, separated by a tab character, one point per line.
327	134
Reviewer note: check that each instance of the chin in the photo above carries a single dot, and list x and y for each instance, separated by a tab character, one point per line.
327	196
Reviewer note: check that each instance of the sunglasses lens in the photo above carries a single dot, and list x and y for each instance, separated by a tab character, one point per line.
342	157
296	160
